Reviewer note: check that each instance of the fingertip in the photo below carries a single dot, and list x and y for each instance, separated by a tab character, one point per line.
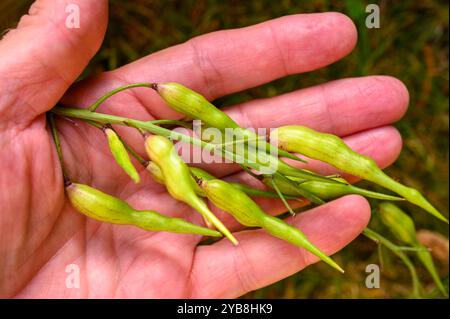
341	35
356	210
348	30
393	144
396	95
311	41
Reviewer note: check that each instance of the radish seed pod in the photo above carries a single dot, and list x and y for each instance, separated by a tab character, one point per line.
331	149
399	223
120	154
178	180
248	213
402	227
106	208
327	191
193	104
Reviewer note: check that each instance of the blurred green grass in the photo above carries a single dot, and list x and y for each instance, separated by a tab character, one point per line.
412	45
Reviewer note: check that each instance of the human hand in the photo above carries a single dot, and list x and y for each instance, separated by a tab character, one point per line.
40	233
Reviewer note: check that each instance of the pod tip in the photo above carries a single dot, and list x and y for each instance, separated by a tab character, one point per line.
333	264
439	216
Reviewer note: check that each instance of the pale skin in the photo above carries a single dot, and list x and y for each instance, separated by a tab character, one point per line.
41	234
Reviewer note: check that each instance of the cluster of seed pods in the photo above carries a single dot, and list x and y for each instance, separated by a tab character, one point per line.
193	186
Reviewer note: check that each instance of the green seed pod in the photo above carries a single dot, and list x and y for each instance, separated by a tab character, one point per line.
193	104
333	150
328	191
158	177
120	154
178	179
188	102
427	260
248	213
399	223
106	208
402	227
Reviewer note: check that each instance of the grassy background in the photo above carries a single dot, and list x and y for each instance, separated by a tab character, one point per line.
412	45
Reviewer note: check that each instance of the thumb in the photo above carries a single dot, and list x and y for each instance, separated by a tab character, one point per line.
46	53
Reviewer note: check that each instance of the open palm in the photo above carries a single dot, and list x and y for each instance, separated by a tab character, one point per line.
41	234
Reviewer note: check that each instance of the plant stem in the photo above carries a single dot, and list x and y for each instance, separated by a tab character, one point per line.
395	249
413	249
135	154
280	194
102	99
54	130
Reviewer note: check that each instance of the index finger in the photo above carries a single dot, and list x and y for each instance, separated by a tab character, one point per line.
228	61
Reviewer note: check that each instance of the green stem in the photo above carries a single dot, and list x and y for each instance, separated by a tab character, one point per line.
280	194
55	136
380	255
395	249
413	249
135	154
102	99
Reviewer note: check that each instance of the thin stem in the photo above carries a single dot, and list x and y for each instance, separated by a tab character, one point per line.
135	154
102	99
380	255
394	248
280	194
413	249
51	119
